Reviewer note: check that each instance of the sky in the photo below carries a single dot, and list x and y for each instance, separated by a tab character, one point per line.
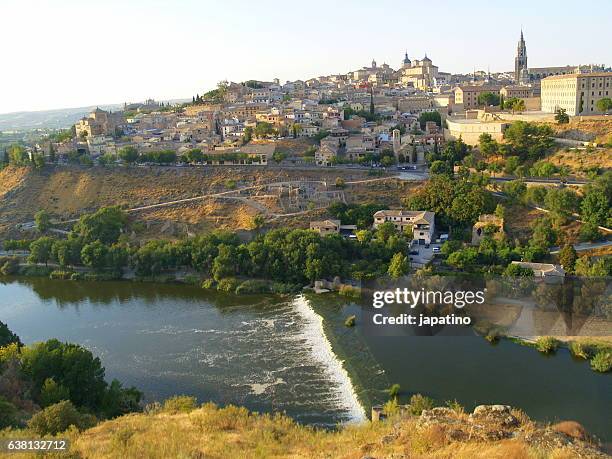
74	53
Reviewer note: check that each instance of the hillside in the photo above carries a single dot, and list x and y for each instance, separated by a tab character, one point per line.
209	432
68	192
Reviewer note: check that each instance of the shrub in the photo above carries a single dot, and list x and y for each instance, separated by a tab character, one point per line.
391	407
209	283
8	413
581	350
455	406
52	393
283	288
35	271
58	418
9	265
253	286
76	276
350	292
602	361
60	274
350	321
180	404
191	279
419	402
394	390
229	284
547	344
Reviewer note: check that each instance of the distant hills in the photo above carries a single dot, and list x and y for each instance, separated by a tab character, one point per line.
47	119
54	119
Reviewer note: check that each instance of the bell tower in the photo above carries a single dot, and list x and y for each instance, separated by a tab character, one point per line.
520	61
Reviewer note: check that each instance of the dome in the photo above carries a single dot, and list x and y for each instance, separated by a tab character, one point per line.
406	60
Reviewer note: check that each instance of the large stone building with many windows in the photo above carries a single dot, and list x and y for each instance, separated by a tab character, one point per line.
576	93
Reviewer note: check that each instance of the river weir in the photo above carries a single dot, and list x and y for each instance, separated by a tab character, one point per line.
293	355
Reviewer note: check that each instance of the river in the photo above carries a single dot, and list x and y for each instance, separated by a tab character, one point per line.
291	354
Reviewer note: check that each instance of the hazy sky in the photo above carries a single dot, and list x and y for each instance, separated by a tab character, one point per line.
65	53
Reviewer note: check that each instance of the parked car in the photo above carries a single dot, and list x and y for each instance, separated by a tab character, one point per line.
427	245
436	250
414	252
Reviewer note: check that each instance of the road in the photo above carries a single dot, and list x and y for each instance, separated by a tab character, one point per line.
222	194
549	181
584	246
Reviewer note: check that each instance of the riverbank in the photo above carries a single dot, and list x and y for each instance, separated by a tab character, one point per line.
262	352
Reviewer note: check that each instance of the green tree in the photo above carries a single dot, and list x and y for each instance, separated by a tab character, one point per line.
488	98
604	105
263	129
128	154
70	366
18	156
429	116
66	252
38	160
398	266
225	263
95	255
596	206
52	393
568	257
6	336
561	116
528	140
516	270
40	250
104	225
42	220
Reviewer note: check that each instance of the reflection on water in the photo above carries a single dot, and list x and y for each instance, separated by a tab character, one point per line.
261	352
270	354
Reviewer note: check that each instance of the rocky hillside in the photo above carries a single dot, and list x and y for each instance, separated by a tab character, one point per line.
69	191
209	432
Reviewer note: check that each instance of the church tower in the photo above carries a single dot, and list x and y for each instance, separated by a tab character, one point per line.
520	61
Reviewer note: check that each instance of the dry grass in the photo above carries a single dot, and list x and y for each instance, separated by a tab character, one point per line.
233	432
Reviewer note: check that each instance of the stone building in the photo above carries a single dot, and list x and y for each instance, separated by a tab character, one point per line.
576	93
98	122
467	95
422	74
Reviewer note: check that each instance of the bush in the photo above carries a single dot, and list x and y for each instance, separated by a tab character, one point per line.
209	283
589	232
8	413
546	344
391	408
602	361
191	279
7	336
52	393
60	274
394	390
58	418
180	404
350	292
253	286
35	271
282	288
350	321
581	350
9	265
419	402
229	284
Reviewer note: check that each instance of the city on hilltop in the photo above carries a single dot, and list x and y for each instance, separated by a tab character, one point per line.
393	262
360	114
